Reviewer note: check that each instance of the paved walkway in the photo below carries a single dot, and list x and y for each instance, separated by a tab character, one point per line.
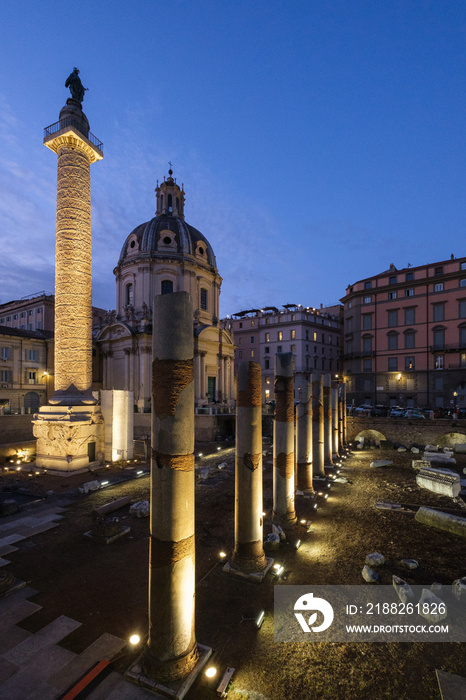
34	666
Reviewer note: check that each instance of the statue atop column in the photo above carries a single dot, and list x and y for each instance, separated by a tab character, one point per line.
73	82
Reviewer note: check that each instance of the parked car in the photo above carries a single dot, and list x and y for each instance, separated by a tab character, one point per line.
380	411
364	408
397	412
414	413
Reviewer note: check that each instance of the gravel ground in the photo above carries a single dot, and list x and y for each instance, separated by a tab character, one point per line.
105	586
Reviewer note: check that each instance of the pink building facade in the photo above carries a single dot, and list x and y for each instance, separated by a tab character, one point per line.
405	337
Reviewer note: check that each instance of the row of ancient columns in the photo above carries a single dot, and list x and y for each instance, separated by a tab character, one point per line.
171	652
320	434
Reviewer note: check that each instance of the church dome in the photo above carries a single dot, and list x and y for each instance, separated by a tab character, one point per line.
168	236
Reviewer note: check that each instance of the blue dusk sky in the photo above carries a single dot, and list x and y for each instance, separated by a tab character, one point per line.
318	141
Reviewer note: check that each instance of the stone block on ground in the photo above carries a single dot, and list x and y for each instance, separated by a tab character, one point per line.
375	559
420	463
442	521
140	509
410	563
441	481
458	588
436	610
369	575
403	589
89	486
381	463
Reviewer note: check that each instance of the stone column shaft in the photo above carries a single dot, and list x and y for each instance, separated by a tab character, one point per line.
283	440
171	651
248	555
341	408
335	442
318	425
328	419
304	439
343	395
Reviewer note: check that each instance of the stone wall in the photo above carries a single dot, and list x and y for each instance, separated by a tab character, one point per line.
407	432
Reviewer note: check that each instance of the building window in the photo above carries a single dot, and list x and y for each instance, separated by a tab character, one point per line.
252	323
367	285
367	300
367	322
393	341
293	335
266	364
439	338
315	337
410	317
5	353
409	340
280	335
367	365
128	294
462	308
409	292
240	341
267	380
409	363
463	337
438	312
409	276
267	321
438	383
392	295
33	355
252	340
204	299
31	377
463	282
462	359
392	280
367	346
293	348
279	348
252	353
438	287
307	335
240	354
392	364
266	350
438	270
393	318
166	287
267	337
438	362
5	375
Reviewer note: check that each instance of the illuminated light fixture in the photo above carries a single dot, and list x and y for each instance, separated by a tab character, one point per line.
18	469
321	493
134	639
18	461
211	672
278	569
108	466
263	513
260	619
104	483
315	506
297	544
37	473
329	485
139	471
218	449
326	496
303	522
222	555
200	454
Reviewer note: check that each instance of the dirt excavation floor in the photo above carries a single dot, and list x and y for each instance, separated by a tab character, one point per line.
105	587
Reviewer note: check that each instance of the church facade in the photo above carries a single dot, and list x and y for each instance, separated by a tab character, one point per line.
162	256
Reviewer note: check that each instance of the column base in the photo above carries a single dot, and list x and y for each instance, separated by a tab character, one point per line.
69	438
255	576
173	689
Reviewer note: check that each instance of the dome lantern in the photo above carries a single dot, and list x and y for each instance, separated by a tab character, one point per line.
170	198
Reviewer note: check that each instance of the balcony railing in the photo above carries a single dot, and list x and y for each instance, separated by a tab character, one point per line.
448	347
70	121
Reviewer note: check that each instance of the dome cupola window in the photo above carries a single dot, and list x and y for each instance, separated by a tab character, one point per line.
204	299
129	294
167	287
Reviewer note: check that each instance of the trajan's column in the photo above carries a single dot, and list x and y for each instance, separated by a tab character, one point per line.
69	430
